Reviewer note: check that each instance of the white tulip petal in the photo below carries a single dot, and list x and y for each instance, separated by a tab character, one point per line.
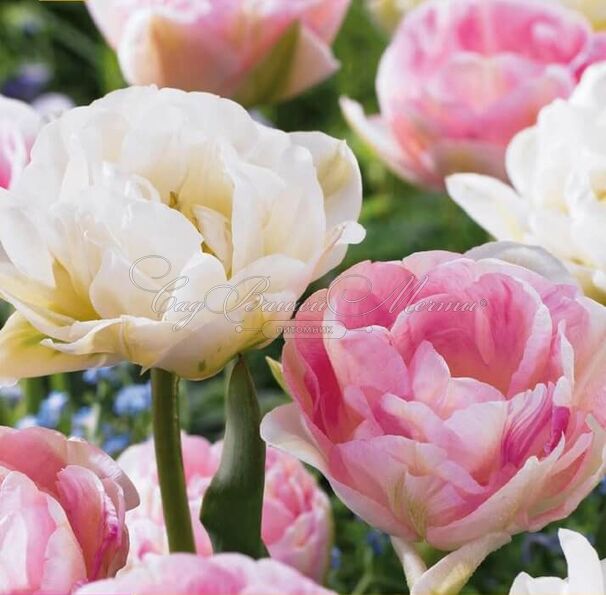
490	202
584	568
451	573
23	354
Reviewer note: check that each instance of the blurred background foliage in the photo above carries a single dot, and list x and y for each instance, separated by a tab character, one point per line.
54	47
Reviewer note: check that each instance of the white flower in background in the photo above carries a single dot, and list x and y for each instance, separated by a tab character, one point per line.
586	574
558	172
149	224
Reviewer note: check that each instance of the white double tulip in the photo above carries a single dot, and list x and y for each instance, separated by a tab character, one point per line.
558	173
166	228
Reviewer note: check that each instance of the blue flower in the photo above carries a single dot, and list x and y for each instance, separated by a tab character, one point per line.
29	421
83	422
377	541
96	375
116	444
133	400
541	540
11	394
28	83
335	558
51	409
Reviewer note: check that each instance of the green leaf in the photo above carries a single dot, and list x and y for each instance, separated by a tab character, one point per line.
266	82
232	506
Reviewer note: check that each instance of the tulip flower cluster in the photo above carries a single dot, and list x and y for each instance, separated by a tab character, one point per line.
558	172
254	51
296	513
454	104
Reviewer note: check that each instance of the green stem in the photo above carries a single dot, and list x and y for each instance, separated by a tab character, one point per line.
60	383
169	459
33	393
233	503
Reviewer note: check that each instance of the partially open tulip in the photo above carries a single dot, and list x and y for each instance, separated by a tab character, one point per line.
19	125
226	574
586	574
447	398
297	526
62	509
453	103
558	173
167	229
253	51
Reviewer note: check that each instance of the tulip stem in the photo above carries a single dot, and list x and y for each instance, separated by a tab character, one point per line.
169	459
33	393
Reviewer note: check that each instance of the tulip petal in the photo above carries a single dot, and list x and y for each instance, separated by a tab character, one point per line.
584	568
99	526
311	63
451	573
493	204
375	132
24	355
284	429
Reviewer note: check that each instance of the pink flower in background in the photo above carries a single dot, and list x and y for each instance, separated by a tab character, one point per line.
146	522
254	51
19	126
297	524
62	505
460	79
225	574
465	402
297	520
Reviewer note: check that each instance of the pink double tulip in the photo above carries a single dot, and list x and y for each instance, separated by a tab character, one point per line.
460	79
297	524
226	574
253	51
448	398
62	509
19	126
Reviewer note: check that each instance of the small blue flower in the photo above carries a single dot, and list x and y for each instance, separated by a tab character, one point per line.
96	375
116	444
51	409
133	400
377	541
11	394
29	421
83	422
335	558
549	542
28	83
